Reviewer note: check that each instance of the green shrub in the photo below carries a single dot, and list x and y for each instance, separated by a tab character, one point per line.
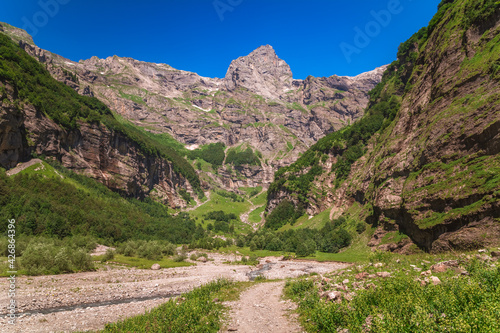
150	250
109	255
285	212
47	258
212	153
185	195
169	249
179	258
360	227
246	157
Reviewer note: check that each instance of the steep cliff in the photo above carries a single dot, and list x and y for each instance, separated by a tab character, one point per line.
430	165
39	115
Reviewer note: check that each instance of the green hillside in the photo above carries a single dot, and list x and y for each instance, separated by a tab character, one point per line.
33	84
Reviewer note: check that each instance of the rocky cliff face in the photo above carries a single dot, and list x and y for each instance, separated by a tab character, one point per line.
92	150
433	173
257	104
262	72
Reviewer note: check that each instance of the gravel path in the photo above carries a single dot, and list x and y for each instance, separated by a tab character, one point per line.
261	310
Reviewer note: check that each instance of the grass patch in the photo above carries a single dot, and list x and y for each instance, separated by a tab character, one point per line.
401	303
316	222
227	205
196	311
144	263
393	237
260	199
254	216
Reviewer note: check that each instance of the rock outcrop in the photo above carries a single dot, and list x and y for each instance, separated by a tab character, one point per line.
92	150
262	72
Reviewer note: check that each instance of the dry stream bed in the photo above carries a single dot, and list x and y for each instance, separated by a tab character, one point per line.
90	300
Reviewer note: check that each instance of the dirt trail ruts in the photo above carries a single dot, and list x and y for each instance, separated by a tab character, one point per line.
261	310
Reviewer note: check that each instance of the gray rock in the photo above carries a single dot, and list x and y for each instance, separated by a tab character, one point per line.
435	280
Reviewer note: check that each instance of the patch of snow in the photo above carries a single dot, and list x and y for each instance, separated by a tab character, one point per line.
69	63
192	147
196	106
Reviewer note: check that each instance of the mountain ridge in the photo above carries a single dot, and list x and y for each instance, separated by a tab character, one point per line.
198	111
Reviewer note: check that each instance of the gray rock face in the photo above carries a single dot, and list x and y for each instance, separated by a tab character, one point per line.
92	150
261	72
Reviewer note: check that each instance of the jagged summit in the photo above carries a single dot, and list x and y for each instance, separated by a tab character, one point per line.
262	72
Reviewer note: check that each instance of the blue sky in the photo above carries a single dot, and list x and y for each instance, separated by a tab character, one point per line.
315	37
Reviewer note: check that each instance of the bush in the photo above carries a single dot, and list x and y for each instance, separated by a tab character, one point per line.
212	153
360	227
241	158
47	258
185	195
285	212
109	255
306	248
151	250
179	258
169	249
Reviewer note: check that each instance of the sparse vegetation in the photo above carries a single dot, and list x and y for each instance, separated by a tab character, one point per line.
402	302
196	311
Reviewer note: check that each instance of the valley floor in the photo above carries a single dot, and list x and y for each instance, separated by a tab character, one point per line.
88	301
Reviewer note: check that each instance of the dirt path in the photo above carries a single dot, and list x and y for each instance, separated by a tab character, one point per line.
198	204
261	310
245	215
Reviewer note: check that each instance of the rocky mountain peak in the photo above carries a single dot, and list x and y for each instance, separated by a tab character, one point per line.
262	72
16	34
